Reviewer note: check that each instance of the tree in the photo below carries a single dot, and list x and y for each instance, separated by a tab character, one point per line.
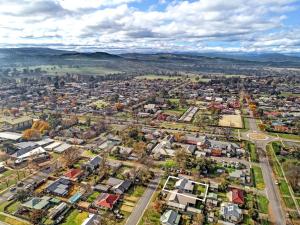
157	205
181	157
31	135
139	149
198	219
21	195
71	156
41	125
119	106
178	137
37	216
143	174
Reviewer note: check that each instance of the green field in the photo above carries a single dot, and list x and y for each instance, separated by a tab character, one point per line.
284	189
253	153
263	204
258	178
62	70
287	136
12	220
93	196
289	203
275	165
76	217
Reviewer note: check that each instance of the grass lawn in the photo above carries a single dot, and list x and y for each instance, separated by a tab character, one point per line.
13	208
275	165
138	191
246	123
155	77
288	136
253	153
258	178
289	203
93	196
2	206
284	189
11	177
174	112
11	220
263	204
76	217
151	216
247	220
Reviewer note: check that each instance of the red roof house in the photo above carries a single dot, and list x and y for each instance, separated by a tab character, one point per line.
106	200
236	196
73	174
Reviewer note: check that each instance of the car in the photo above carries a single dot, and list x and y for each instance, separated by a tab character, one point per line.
28	186
276	182
12	189
10	197
20	184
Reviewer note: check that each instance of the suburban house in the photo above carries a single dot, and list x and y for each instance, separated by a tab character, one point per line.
236	196
183	202
93	164
60	187
231	212
184	185
17	123
106	201
74	174
170	217
119	186
37	203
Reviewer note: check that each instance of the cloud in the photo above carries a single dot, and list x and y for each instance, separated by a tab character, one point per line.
179	25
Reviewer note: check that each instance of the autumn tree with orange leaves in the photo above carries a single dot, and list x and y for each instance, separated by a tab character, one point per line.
119	106
31	135
41	125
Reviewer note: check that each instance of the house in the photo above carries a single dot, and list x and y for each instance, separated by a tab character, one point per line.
231	212
18	123
118	186
212	199
2	167
57	210
184	185
92	220
236	196
242	175
183	202
37	203
106	201
170	217
93	164
62	148
10	136
60	187
73	174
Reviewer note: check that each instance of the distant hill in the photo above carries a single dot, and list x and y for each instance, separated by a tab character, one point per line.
188	62
256	57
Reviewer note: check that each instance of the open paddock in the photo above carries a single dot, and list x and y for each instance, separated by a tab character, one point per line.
234	121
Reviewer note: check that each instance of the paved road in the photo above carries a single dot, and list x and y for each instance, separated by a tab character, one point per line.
144	201
276	210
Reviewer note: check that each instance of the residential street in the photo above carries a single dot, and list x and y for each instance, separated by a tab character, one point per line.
144	201
276	210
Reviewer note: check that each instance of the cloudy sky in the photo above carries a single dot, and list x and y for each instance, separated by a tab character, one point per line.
152	25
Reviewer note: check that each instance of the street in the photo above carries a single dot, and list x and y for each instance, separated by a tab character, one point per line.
143	202
276	211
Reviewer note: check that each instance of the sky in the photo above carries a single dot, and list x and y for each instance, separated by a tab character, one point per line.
152	25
